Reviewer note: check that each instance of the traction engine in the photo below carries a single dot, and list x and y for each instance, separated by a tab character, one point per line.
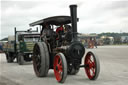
60	49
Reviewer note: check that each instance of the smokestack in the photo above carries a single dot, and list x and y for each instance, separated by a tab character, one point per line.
73	12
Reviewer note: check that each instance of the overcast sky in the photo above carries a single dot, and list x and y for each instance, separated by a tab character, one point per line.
95	16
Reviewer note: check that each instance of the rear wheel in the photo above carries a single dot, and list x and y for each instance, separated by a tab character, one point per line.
9	58
60	67
92	64
40	59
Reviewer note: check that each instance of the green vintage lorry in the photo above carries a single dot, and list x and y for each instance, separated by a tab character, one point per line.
20	46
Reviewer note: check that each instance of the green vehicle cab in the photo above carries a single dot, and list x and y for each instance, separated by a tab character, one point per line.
27	42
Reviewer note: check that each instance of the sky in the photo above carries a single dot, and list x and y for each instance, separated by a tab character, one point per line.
95	16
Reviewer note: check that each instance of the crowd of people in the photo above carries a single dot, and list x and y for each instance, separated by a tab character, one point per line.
89	42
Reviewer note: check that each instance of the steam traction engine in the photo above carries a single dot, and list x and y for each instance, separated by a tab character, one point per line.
59	48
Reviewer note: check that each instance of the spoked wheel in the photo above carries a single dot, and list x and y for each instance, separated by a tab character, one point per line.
60	67
92	64
40	59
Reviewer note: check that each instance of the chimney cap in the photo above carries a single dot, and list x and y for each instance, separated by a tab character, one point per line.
73	5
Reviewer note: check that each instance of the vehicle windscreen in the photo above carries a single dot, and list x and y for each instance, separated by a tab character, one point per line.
31	38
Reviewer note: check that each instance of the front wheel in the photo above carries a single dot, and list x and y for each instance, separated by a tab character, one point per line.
92	66
21	59
60	67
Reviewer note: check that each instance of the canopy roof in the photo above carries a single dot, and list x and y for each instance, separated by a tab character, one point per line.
55	20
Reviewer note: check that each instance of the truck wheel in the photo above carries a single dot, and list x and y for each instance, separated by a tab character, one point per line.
92	64
60	67
21	59
9	58
73	71
40	59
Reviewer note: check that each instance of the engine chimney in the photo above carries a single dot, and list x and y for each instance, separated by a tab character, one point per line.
73	12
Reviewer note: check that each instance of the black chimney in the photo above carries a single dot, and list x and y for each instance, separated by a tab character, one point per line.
73	12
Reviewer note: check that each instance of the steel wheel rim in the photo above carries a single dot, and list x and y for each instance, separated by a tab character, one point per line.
37	59
58	68
90	68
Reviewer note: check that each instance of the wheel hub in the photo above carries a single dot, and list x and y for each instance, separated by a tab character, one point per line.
57	68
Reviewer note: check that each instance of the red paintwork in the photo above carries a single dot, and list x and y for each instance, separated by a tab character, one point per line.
91	68
58	69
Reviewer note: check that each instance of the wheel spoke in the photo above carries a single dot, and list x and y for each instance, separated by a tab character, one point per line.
93	64
90	59
38	63
36	59
38	67
60	68
93	71
89	73
60	65
57	74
